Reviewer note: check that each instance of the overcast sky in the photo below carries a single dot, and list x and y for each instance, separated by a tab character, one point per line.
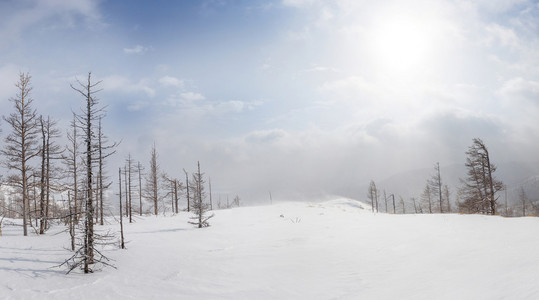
293	95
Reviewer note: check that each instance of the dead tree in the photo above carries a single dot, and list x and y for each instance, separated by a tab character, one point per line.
71	220
523	199
151	189
415	205
20	144
447	198
139	169
129	170
209	186
49	151
426	197
84	257
73	165
122	244
403	204
385	201
373	196
479	188
435	183
200	208
187	190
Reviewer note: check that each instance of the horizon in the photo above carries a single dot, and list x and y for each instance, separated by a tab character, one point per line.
293	95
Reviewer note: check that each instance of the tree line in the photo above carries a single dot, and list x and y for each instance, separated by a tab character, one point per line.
41	170
480	192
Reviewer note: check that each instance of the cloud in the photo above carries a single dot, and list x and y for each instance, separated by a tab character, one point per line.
15	19
169	81
520	88
350	88
265	136
192	96
123	84
138	49
502	35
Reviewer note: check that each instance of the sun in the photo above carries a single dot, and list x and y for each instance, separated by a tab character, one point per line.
401	45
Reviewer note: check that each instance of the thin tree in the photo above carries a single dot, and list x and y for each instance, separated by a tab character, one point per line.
126	196
523	199
209	185
129	170
200	208
435	183
447	198
403	204
122	244
426	197
49	151
20	144
372	194
480	187
415	205
71	220
151	189
385	200
70	159
139	169
187	190
85	121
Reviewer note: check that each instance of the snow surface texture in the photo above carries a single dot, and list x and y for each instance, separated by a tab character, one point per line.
331	250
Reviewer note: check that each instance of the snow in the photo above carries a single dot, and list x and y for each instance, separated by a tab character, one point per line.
330	250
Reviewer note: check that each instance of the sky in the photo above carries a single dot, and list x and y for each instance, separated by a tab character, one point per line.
291	96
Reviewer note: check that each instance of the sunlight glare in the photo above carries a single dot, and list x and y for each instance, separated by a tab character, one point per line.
401	45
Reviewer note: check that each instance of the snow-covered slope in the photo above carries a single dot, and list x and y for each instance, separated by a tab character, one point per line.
331	250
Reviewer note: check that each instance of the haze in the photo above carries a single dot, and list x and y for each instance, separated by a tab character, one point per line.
300	96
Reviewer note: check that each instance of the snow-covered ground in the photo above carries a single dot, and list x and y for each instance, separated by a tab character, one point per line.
331	250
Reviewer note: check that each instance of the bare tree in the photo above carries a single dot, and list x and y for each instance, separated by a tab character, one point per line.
447	198
435	183
385	200
209	186
372	194
49	151
139	169
175	188
236	201
187	191
122	244
129	170
151	190
200	208
523	200
415	205
20	144
479	188
73	166
85	121
426	198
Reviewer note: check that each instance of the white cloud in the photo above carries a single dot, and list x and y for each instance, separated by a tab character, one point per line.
192	96
521	89
56	13
299	3
265	136
138	49
125	85
169	81
503	35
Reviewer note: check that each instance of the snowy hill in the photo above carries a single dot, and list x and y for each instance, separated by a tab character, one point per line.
330	250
